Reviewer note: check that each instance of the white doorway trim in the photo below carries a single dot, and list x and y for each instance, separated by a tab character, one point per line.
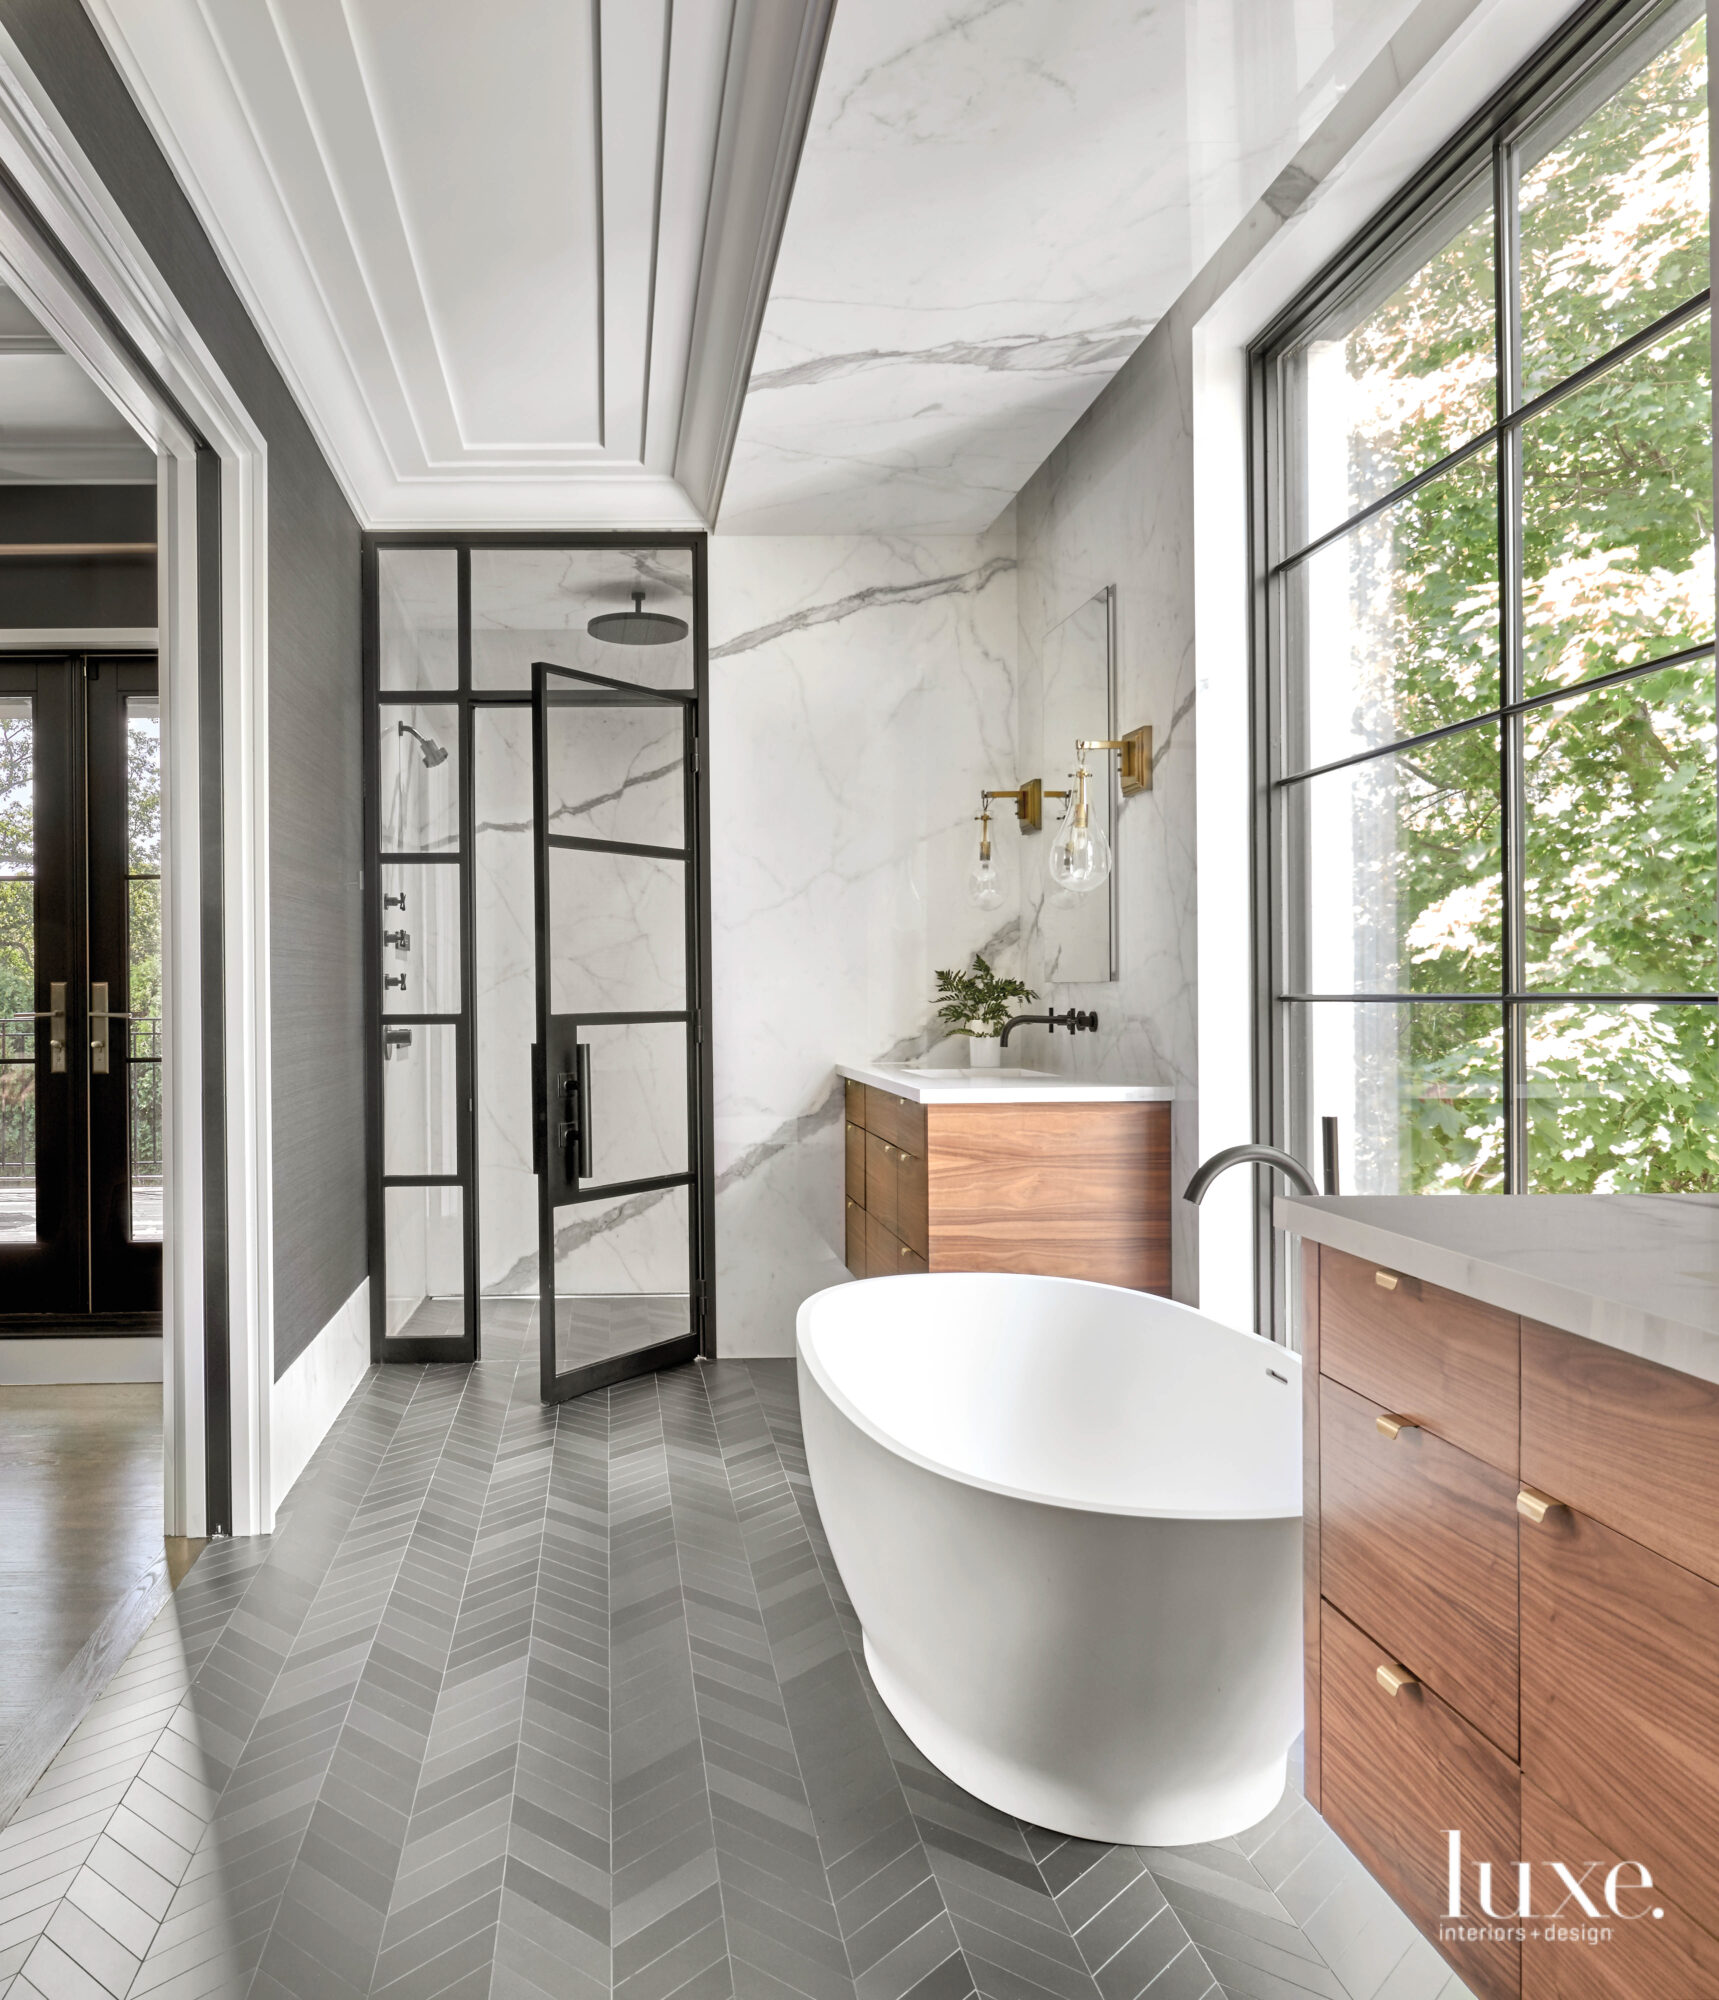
48	168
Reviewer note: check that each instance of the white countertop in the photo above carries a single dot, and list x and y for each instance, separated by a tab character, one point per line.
1638	1272
998	1086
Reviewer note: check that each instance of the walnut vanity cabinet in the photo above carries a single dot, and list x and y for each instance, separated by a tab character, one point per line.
1062	1190
1512	1565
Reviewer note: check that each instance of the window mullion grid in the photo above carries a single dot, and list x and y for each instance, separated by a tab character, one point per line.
1512	801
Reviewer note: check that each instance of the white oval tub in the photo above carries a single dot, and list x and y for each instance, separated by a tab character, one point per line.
1069	1518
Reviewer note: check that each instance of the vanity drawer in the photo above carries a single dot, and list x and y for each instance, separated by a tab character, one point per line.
886	1255
1624	1440
1398	1770
880	1179
854	1136
854	1246
1646	1958
853	1099
1418	1544
895	1119
1448	1362
1620	1699
913	1202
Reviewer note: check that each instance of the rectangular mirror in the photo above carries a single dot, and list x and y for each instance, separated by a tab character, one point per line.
1067	693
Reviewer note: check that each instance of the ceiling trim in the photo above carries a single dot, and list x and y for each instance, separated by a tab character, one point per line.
776	54
233	89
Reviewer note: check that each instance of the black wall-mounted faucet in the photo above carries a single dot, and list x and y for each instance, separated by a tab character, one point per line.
1075	1023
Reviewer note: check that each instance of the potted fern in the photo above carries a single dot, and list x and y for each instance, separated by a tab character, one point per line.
977	1003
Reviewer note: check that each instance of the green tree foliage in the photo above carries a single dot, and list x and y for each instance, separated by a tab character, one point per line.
1618	861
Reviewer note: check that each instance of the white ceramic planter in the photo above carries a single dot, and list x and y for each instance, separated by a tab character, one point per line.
984	1051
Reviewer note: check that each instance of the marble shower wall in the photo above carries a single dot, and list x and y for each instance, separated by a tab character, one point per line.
862	692
1113	505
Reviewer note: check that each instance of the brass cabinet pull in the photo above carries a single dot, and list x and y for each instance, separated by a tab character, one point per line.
1394	1679
1534	1506
1388	1279
1393	1427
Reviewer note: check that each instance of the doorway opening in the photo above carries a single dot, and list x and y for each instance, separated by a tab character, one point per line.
81	1180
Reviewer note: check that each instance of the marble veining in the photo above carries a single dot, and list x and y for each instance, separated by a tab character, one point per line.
862	691
995	204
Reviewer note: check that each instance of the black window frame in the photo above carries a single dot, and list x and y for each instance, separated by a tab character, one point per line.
1591	38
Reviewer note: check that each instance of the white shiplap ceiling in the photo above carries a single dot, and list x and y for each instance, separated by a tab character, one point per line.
509	256
519	262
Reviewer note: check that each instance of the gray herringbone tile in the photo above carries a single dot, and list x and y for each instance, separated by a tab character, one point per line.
527	1704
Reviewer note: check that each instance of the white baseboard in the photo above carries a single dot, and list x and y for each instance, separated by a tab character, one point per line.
313	1391
134	1357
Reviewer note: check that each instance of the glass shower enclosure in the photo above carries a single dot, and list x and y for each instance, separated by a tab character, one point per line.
537	904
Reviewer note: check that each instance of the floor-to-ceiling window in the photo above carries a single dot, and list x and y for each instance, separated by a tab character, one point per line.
1487	621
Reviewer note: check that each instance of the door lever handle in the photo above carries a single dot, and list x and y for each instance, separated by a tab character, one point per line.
100	1015
55	1013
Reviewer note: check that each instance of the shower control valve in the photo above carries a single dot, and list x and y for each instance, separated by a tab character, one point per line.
394	902
401	940
395	979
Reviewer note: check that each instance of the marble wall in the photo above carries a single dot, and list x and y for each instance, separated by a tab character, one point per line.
1111	506
862	693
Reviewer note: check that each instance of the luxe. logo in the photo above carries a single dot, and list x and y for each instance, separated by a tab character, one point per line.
1582	1914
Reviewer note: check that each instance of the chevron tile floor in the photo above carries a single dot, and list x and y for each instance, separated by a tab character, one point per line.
570	1703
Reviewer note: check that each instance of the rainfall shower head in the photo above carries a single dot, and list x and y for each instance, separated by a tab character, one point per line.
428	748
637	627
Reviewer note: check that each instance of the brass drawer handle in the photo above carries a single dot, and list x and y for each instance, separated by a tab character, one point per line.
906	1251
1388	1279
1534	1506
1394	1679
1393	1427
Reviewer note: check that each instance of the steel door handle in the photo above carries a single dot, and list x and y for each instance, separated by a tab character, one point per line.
100	1014
573	1087
56	1013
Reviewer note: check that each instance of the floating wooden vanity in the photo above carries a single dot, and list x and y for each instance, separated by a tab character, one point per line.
978	1177
1512	1588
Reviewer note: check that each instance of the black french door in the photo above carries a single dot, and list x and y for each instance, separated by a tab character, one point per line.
620	1143
80	990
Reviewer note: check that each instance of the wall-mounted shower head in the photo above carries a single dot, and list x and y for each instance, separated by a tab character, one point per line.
637	627
428	748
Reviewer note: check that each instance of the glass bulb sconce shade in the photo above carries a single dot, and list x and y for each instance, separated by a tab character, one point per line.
984	888
1079	858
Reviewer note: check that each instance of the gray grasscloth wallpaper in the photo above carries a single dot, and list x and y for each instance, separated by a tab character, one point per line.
314	775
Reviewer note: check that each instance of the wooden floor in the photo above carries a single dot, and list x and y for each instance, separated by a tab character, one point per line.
80	1527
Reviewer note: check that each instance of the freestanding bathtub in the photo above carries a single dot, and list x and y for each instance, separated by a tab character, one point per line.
1069	1517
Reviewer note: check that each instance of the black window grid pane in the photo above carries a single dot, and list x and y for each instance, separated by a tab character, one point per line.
1280	731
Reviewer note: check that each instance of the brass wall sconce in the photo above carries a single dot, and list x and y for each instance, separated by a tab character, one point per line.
1029	802
1080	855
984	889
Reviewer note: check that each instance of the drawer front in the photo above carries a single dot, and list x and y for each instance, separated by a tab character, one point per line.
1646	1957
1398	1771
854	1095
895	1119
913	1202
1448	1362
855	1147
1620	1699
1625	1441
886	1256
855	1255
880	1179
1418	1546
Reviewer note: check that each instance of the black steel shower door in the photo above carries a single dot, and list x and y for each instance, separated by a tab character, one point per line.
622	1145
